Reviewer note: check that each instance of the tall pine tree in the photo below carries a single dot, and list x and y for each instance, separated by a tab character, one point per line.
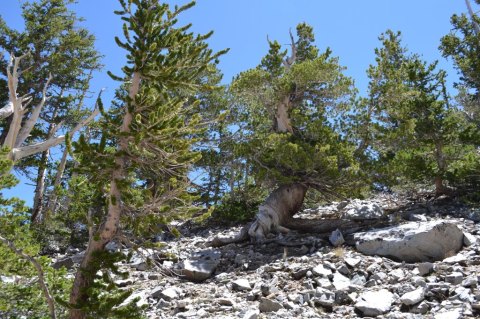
147	135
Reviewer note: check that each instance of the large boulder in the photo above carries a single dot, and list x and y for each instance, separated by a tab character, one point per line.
200	265
412	242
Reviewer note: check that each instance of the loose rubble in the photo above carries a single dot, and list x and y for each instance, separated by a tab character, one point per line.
310	278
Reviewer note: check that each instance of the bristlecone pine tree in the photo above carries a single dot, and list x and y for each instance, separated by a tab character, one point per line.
149	134
48	76
293	104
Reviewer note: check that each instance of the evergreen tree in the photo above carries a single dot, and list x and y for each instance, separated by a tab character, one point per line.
415	132
58	59
291	105
145	151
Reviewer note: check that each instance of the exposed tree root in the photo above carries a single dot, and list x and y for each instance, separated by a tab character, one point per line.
320	227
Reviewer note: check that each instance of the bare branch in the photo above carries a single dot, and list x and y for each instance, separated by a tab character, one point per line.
28	127
40	273
476	27
24	151
288	62
7	110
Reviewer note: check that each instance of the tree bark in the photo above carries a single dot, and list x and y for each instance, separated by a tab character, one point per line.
107	231
274	214
38	200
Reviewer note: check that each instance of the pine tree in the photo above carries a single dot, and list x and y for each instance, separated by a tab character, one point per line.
291	104
147	135
58	57
416	133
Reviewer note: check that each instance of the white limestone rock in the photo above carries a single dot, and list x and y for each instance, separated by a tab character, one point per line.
412	242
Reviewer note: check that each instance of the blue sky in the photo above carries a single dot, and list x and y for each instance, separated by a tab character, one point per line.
349	27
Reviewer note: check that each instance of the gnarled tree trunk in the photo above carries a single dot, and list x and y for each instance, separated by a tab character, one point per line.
277	209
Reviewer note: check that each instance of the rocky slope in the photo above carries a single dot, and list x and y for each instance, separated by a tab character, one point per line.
422	275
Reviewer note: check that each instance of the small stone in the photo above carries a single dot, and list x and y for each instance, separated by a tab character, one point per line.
124	283
340	282
452	314
320	270
458	258
181	304
336	238
201	265
352	262
299	274
168	294
374	303
251	314
344	270
463	294
225	301
241	285
268	305
163	304
342	298
324	283
424	268
421	308
413	297
358	280
470	281
469	239
324	297
455	278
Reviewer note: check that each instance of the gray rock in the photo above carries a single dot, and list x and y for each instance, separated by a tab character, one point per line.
412	242
143	300
251	314
352	262
241	285
421	308
452	314
225	302
201	265
324	297
413	297
454	278
340	282
268	305
374	303
358	280
343	269
469	239
168	294
336	238
424	268
66	262
320	270
361	210
470	281
163	304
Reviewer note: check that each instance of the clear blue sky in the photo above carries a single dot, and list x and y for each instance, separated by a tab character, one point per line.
349	27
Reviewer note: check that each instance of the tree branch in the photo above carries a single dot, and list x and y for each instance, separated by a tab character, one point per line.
40	273
27	128
288	62
476	27
7	110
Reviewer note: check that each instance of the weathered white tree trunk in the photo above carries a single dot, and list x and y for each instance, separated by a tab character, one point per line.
108	230
273	215
17	132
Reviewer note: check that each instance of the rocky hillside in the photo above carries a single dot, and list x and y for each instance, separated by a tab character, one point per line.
425	265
